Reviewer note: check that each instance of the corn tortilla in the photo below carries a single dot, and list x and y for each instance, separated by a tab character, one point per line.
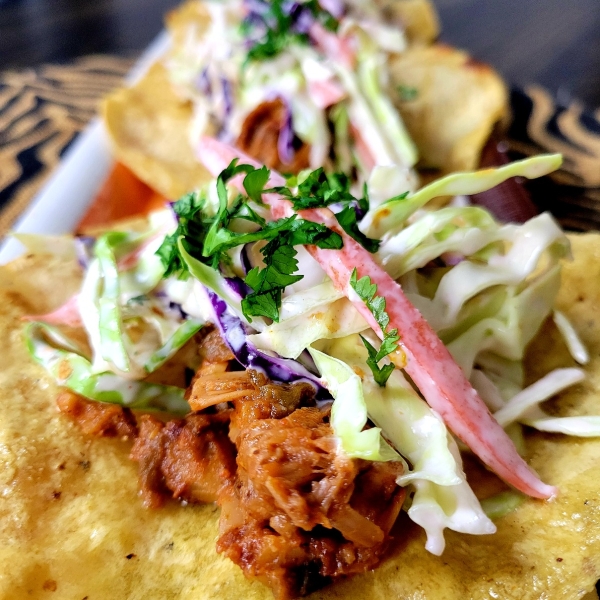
456	106
71	519
148	129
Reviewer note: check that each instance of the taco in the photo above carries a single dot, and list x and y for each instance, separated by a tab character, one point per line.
341	85
71	510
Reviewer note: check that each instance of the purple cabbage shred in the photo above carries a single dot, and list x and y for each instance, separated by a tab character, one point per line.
227	96
285	143
278	369
203	84
84	249
237	286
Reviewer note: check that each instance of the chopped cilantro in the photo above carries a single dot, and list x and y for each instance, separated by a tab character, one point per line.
380	374
376	304
271	26
254	183
208	238
281	264
348	221
407	93
402	196
319	190
188	210
199	231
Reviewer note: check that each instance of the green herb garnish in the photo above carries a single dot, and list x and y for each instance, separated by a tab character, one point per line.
209	238
402	196
319	190
281	264
376	304
407	93
273	26
191	226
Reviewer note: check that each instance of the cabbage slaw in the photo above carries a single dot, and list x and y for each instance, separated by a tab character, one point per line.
135	321
326	80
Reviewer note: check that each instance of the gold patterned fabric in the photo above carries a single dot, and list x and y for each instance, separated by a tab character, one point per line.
543	124
41	112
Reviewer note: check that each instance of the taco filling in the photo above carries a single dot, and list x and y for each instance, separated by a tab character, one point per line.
278	318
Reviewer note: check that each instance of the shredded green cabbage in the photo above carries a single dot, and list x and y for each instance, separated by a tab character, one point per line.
443	498
537	392
112	301
501	504
404	150
349	411
582	426
291	336
71	369
386	219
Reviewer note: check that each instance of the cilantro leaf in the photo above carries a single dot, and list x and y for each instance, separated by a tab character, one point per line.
219	237
376	304
254	183
281	264
320	190
307	233
245	211
264	304
200	231
188	210
380	374
234	169
407	92
273	25
388	345
403	196
349	223
268	283
364	202
169	255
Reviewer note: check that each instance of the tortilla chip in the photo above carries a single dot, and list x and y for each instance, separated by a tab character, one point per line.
190	15
149	130
457	104
418	17
453	105
71	519
149	123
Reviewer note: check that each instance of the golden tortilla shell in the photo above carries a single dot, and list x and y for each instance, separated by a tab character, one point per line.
149	130
149	123
191	14
71	521
418	17
456	105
